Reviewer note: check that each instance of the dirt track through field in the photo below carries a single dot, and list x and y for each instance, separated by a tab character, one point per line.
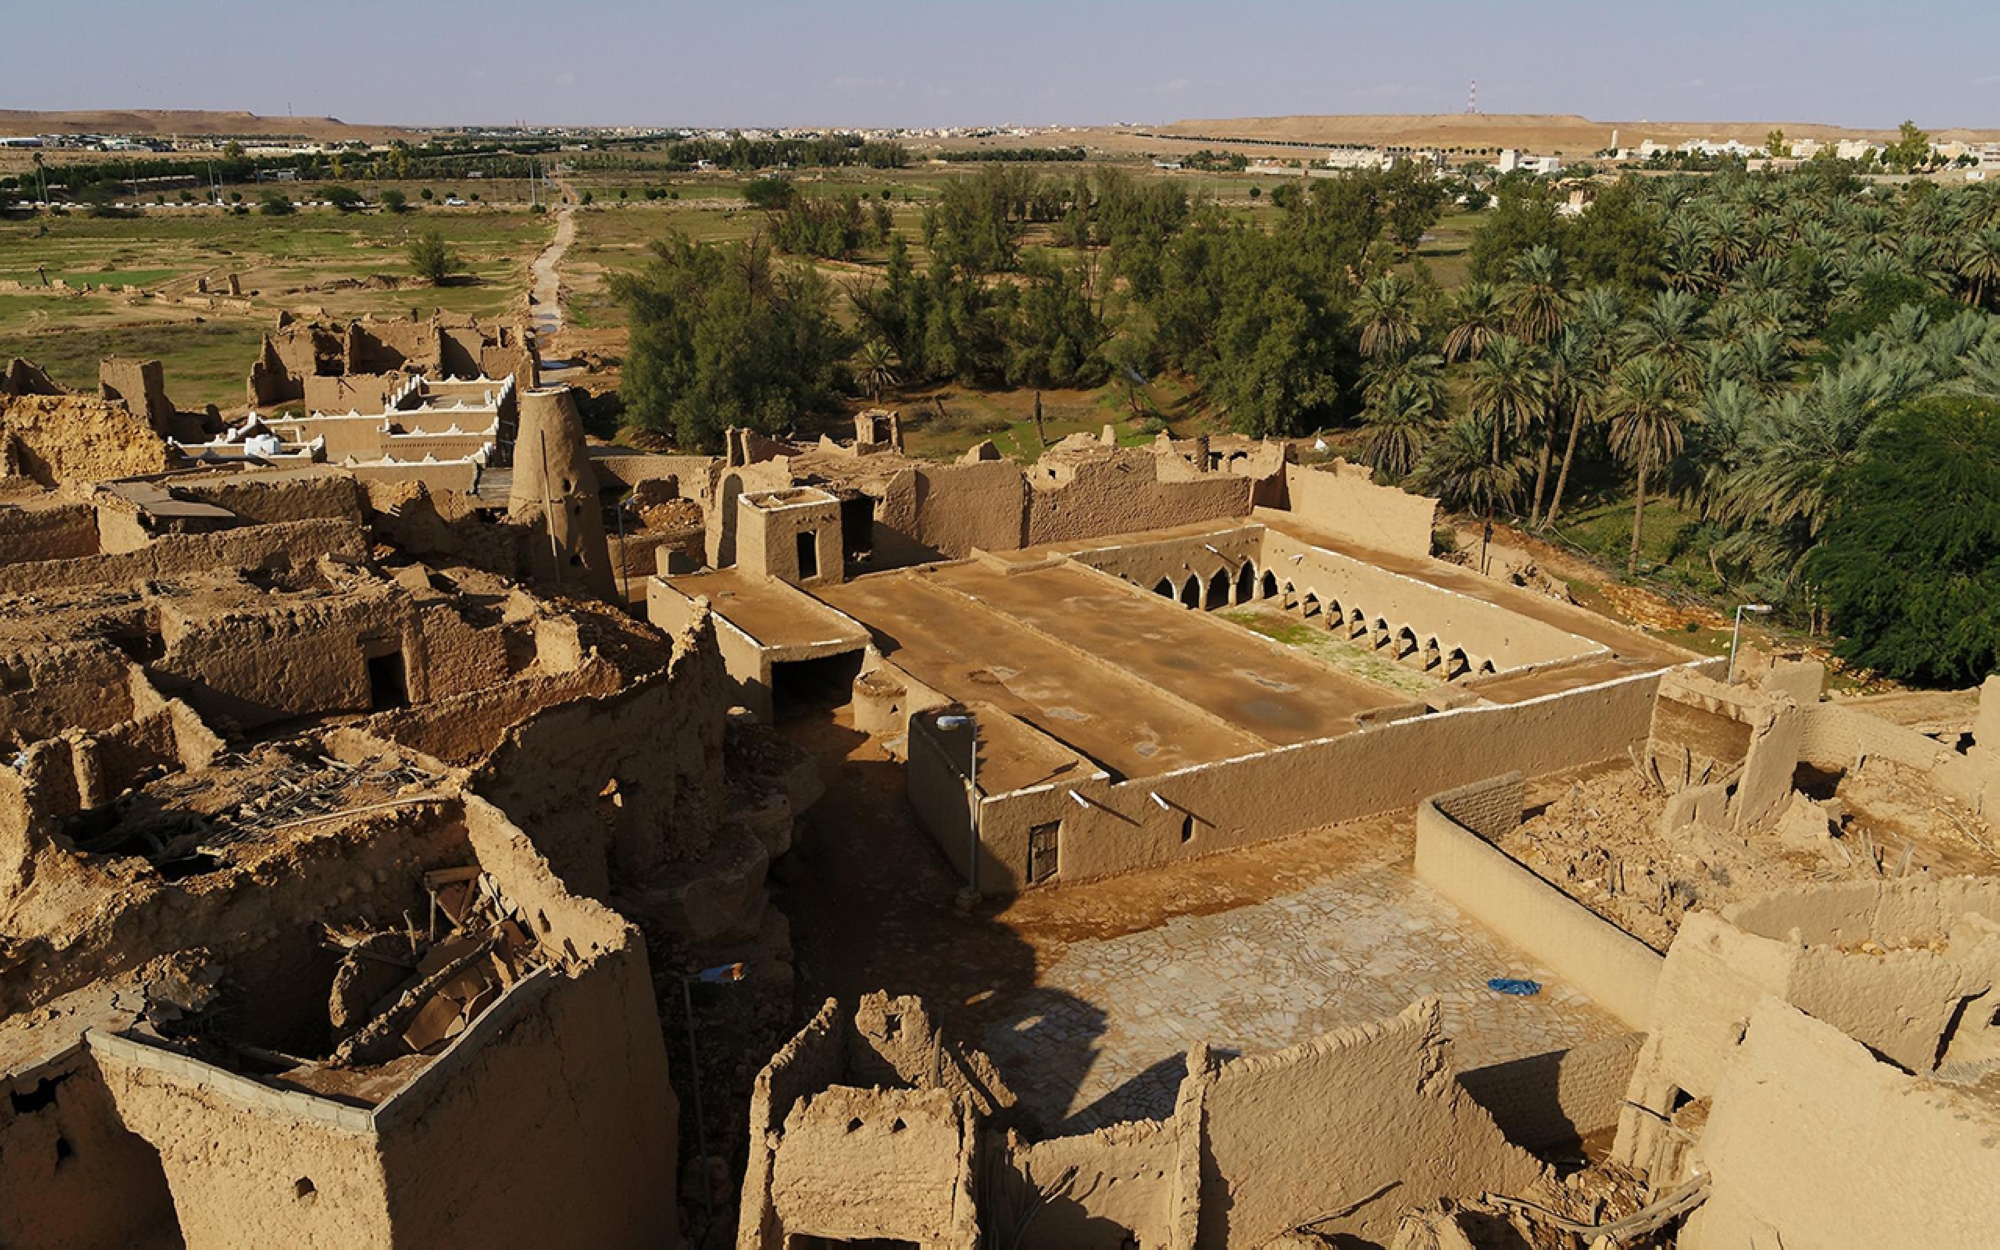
546	283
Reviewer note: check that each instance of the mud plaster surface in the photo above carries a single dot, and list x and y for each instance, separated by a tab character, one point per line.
1102	1037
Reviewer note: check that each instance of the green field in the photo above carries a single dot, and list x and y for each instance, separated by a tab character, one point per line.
316	261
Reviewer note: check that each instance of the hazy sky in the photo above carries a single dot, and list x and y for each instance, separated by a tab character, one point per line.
1030	62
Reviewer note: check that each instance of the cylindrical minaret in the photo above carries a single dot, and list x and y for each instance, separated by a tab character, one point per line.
554	483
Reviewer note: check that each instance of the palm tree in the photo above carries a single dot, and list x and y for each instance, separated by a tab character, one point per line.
1458	470
1510	390
1668	328
1403	400
1476	318
877	360
1585	352
1386	307
1400	424
1646	415
1979	265
1539	299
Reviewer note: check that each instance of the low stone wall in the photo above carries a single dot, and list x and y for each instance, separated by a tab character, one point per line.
1616	969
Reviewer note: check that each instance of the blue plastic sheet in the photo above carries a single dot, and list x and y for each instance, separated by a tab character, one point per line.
1520	987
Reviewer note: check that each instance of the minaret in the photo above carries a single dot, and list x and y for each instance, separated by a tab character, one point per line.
554	483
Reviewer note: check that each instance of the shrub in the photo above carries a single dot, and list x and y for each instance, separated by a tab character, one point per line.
432	258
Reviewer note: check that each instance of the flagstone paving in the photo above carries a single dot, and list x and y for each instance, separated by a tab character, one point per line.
1103	1034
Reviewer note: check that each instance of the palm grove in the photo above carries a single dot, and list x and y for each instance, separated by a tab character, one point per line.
1777	353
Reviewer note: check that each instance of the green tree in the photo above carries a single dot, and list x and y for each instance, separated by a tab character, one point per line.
1911	150
877	368
346	199
1458	470
772	192
275	204
1474	318
1646	414
1386	308
1775	145
726	335
1910	569
395	201
1509	394
432	259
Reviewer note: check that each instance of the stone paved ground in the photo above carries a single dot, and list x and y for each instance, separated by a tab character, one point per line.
1102	1035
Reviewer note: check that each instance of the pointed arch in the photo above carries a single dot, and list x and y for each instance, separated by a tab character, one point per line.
1164	589
1191	593
1246	583
1218	590
1270	585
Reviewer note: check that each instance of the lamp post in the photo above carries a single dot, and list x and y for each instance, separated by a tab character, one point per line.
954	723
721	974
1736	634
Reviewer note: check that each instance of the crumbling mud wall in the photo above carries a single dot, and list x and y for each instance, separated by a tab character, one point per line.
866	1164
614	788
141	385
77	438
1907	968
867	1128
1121	1187
72	1175
1364	1122
551	1121
47	531
247	1165
1706	733
853	1137
1120	492
297	544
1812	1141
446	526
1343	500
1456	857
319	492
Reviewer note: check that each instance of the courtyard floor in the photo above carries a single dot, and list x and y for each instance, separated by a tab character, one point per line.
1088	997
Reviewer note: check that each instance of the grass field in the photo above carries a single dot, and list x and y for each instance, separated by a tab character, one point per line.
315	261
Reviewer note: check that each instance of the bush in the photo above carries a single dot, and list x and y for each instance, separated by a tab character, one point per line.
584	199
346	199
427	193
275	204
395	201
433	259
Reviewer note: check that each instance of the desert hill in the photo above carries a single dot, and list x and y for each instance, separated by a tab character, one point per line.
192	122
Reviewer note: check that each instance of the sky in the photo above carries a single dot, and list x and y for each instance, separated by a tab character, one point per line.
1020	62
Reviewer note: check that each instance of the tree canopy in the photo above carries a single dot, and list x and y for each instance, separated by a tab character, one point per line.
1910	565
726	335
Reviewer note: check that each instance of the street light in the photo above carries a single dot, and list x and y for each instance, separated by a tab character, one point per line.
721	974
1736	634
954	723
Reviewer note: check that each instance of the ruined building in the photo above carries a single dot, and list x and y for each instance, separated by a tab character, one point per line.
1172	852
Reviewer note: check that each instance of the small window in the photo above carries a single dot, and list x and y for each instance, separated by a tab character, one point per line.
808	555
388	684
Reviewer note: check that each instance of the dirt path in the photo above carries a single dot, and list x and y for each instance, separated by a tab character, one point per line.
546	274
